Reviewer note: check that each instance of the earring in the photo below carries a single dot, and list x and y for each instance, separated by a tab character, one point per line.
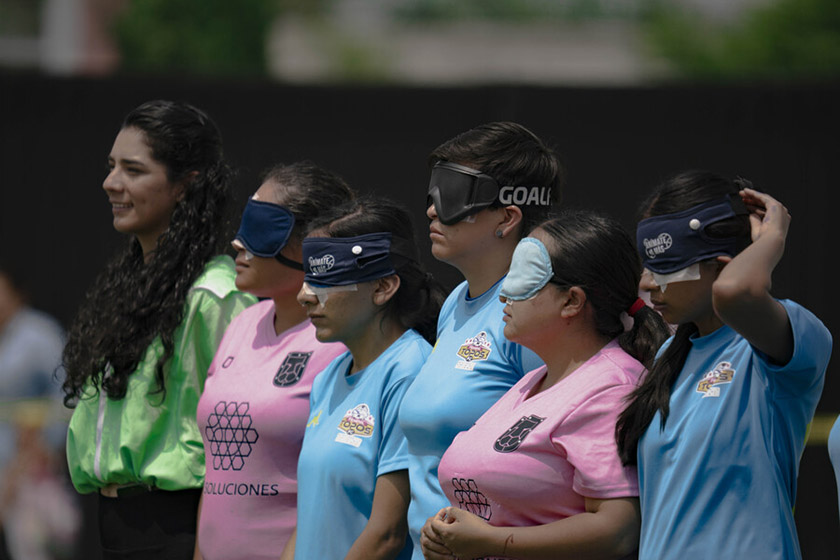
499	233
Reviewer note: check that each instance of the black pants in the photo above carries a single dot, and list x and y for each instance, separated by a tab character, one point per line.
157	525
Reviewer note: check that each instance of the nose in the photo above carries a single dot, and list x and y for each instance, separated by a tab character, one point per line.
306	297
237	245
431	212
111	182
646	283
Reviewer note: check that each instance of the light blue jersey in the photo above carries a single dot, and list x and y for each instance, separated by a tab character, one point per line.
720	480
352	437
471	366
834	453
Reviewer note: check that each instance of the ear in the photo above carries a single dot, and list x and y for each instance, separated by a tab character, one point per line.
385	289
575	302
509	220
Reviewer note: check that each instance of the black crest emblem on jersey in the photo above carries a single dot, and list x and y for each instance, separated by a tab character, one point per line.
292	368
516	434
470	499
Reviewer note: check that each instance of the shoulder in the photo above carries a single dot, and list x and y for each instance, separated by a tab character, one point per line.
455	297
406	356
619	366
218	278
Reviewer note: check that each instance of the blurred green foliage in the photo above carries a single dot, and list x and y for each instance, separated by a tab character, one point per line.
222	37
19	17
781	40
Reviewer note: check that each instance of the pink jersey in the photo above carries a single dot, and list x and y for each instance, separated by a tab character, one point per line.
252	416
531	459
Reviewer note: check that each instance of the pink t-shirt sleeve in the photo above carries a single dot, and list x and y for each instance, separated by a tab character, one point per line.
587	437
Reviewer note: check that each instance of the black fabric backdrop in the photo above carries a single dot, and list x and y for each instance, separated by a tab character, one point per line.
55	135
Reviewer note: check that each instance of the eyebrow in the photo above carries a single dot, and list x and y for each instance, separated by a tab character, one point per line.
127	161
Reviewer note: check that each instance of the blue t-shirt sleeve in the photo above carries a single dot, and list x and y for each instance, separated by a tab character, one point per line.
805	371
393	453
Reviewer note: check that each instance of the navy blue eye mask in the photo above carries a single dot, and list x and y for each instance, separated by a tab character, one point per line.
341	261
672	242
265	229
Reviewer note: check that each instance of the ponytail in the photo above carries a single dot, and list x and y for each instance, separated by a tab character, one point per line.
647	335
653	394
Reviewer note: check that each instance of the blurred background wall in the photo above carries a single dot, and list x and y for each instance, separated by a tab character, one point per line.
628	91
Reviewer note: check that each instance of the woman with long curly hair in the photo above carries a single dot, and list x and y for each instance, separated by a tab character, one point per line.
138	351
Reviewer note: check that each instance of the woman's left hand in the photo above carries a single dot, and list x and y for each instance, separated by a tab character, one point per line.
464	534
766	214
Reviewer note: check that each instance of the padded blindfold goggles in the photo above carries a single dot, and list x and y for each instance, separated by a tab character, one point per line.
265	229
672	242
458	191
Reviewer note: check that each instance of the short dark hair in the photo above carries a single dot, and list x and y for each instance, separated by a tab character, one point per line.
512	155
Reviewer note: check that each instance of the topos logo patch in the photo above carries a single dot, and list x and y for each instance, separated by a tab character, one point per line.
292	368
470	499
473	350
710	384
357	423
510	441
657	245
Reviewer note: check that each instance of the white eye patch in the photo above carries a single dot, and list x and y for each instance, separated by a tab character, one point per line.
691	272
323	292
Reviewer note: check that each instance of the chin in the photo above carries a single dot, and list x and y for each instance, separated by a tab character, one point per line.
323	335
510	333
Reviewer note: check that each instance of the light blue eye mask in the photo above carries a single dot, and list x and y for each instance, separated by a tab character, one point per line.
530	270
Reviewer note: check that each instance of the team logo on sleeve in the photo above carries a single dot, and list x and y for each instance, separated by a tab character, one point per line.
357	423
510	441
470	499
473	350
710	384
292	368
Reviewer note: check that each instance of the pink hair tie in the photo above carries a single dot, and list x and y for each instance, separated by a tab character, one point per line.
638	304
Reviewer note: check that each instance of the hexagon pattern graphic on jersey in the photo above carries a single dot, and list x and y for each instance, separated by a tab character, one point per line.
470	499
230	435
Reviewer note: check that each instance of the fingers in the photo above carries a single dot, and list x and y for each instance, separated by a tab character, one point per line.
432	548
430	532
760	202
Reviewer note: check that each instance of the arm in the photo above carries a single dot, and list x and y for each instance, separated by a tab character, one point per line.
289	549
384	535
741	292
608	529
